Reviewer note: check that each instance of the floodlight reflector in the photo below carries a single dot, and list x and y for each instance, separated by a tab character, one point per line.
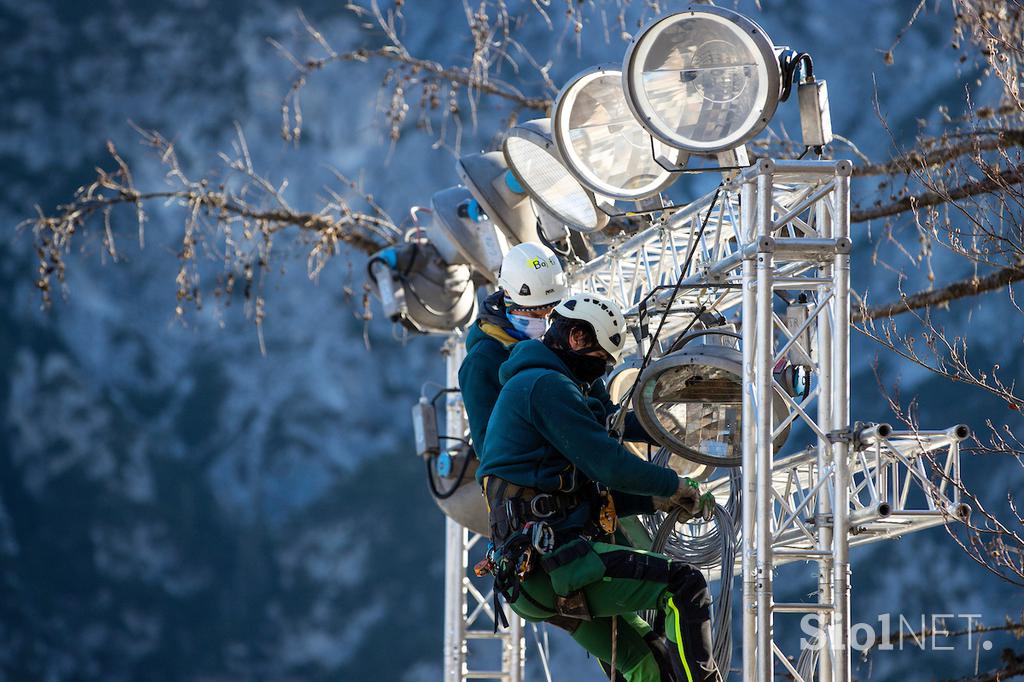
620	382
691	401
601	142
704	80
533	157
460	238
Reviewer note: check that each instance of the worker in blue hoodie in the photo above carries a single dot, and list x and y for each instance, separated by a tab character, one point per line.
555	483
530	284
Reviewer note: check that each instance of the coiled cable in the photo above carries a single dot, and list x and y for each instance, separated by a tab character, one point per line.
706	546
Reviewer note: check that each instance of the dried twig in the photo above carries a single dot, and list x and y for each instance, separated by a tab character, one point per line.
943	296
242	219
999	182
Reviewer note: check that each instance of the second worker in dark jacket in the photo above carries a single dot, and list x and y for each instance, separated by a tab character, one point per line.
531	283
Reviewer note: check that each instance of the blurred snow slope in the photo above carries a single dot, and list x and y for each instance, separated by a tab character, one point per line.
175	506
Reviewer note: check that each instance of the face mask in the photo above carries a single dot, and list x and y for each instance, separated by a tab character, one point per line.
531	327
586	368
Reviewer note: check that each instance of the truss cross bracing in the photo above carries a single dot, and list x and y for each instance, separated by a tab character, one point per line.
776	227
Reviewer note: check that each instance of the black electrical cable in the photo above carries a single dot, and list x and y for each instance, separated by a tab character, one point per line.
441	392
551	244
682	276
808	65
789	64
458	479
672	298
682	335
465	464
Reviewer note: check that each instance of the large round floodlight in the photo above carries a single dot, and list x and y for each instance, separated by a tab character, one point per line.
503	200
462	235
533	157
600	140
620	381
691	401
705	80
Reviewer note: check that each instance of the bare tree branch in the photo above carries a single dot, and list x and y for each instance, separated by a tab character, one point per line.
243	221
1013	666
917	160
440	85
455	74
995	183
934	297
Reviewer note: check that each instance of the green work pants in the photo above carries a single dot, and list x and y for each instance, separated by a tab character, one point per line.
618	582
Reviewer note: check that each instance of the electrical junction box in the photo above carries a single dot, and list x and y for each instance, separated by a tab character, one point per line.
800	352
424	428
815	117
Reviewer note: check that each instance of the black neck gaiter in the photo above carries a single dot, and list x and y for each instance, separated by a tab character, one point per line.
586	368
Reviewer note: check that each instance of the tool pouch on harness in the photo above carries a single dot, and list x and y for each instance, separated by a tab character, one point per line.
572	566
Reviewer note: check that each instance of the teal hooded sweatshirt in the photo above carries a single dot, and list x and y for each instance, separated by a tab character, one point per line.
488	344
545	421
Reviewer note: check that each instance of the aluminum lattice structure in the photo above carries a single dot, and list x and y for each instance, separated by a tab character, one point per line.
779	226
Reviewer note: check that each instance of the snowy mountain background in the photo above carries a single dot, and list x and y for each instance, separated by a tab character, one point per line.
175	505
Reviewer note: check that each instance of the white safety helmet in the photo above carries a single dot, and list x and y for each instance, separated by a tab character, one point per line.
531	276
603	315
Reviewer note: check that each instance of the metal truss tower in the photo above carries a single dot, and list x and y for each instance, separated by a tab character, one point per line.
777	227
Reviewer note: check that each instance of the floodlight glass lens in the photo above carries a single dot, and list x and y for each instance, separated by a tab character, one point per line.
701	81
604	142
699	407
551	183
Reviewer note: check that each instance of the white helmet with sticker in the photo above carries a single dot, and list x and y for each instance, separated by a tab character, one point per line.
531	276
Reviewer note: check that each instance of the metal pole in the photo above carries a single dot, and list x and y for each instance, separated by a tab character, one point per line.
748	471
454	601
457	582
455	535
763	378
516	648
824	511
840	425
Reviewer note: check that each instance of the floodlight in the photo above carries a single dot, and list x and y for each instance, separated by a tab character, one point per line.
533	158
499	193
463	234
691	400
420	290
600	141
620	381
704	80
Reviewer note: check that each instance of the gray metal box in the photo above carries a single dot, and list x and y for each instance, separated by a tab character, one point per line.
424	427
815	118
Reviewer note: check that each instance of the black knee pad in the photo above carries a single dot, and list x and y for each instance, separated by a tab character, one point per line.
690	592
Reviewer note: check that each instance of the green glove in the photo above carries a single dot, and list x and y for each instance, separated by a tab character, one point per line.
689	499
706	508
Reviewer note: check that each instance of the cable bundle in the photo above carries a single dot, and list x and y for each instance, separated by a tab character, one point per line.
711	546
